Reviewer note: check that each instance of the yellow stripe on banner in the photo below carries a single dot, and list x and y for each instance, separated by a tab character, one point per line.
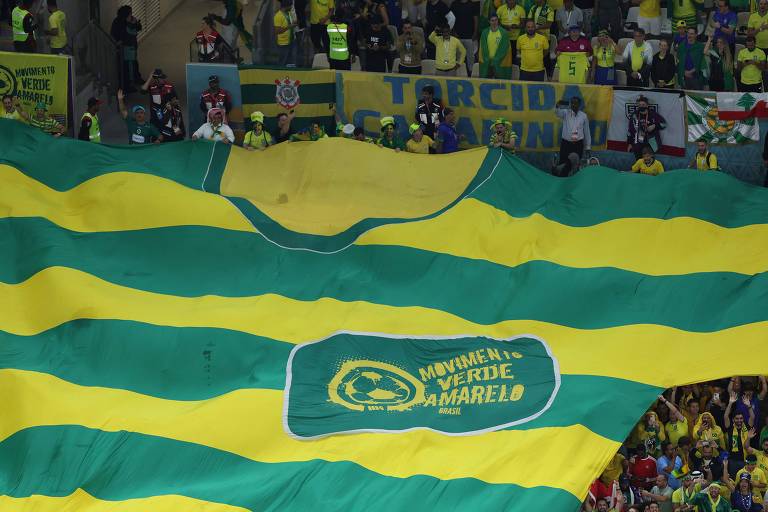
248	422
304	110
116	202
320	188
655	247
71	294
80	501
268	76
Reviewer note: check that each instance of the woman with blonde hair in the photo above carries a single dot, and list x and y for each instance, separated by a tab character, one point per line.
720	65
707	430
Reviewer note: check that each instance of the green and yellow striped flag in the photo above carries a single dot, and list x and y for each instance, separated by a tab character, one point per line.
273	91
333	326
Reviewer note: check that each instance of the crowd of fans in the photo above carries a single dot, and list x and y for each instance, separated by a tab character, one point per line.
700	448
587	41
499	34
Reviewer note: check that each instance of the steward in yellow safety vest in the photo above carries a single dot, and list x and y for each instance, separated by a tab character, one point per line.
89	123
341	45
23	25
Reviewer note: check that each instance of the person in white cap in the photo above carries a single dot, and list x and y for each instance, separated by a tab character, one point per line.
215	129
258	137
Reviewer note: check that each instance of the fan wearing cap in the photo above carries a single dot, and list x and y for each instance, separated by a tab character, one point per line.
160	91
419	143
503	136
756	476
215	129
89	123
44	122
744	497
389	138
215	97
139	130
12	109
258	137
573	55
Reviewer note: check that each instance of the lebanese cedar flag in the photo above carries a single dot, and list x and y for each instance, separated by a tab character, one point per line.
735	106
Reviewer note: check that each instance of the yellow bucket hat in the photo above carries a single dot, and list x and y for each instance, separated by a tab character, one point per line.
386	121
257	117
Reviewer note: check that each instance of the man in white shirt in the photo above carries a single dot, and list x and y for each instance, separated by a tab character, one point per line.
576	137
215	129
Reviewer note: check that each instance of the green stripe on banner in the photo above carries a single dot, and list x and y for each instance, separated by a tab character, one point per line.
194	260
260	94
115	466
171	363
37	154
600	194
694	118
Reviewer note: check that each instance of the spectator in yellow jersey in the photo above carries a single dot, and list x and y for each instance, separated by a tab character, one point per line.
503	136
703	160
285	25
649	16
12	109
677	426
533	49
320	12
543	16
449	52
419	143
258	137
751	63
57	28
511	18
638	57
758	25
648	165
604	60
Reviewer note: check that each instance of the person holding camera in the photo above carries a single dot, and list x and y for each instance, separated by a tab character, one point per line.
410	46
575	135
160	91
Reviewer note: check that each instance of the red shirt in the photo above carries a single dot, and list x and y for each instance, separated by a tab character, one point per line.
582	44
641	470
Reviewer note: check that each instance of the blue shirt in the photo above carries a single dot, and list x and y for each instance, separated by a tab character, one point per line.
726	20
447	135
662	463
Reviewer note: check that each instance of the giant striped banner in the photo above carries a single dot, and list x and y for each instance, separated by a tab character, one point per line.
334	326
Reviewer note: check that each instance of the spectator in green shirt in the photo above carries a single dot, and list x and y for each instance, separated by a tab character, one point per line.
139	130
389	138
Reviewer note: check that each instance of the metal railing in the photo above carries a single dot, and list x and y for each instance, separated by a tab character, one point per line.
97	59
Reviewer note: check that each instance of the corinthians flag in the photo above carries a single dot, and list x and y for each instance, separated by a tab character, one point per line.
334	326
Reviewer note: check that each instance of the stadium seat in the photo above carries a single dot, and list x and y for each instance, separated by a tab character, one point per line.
621	77
655	45
418	31
709	28
742	19
515	72
356	65
552	46
428	66
556	75
739	47
622	43
476	70
392	30
396	65
594	41
462	71
320	61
